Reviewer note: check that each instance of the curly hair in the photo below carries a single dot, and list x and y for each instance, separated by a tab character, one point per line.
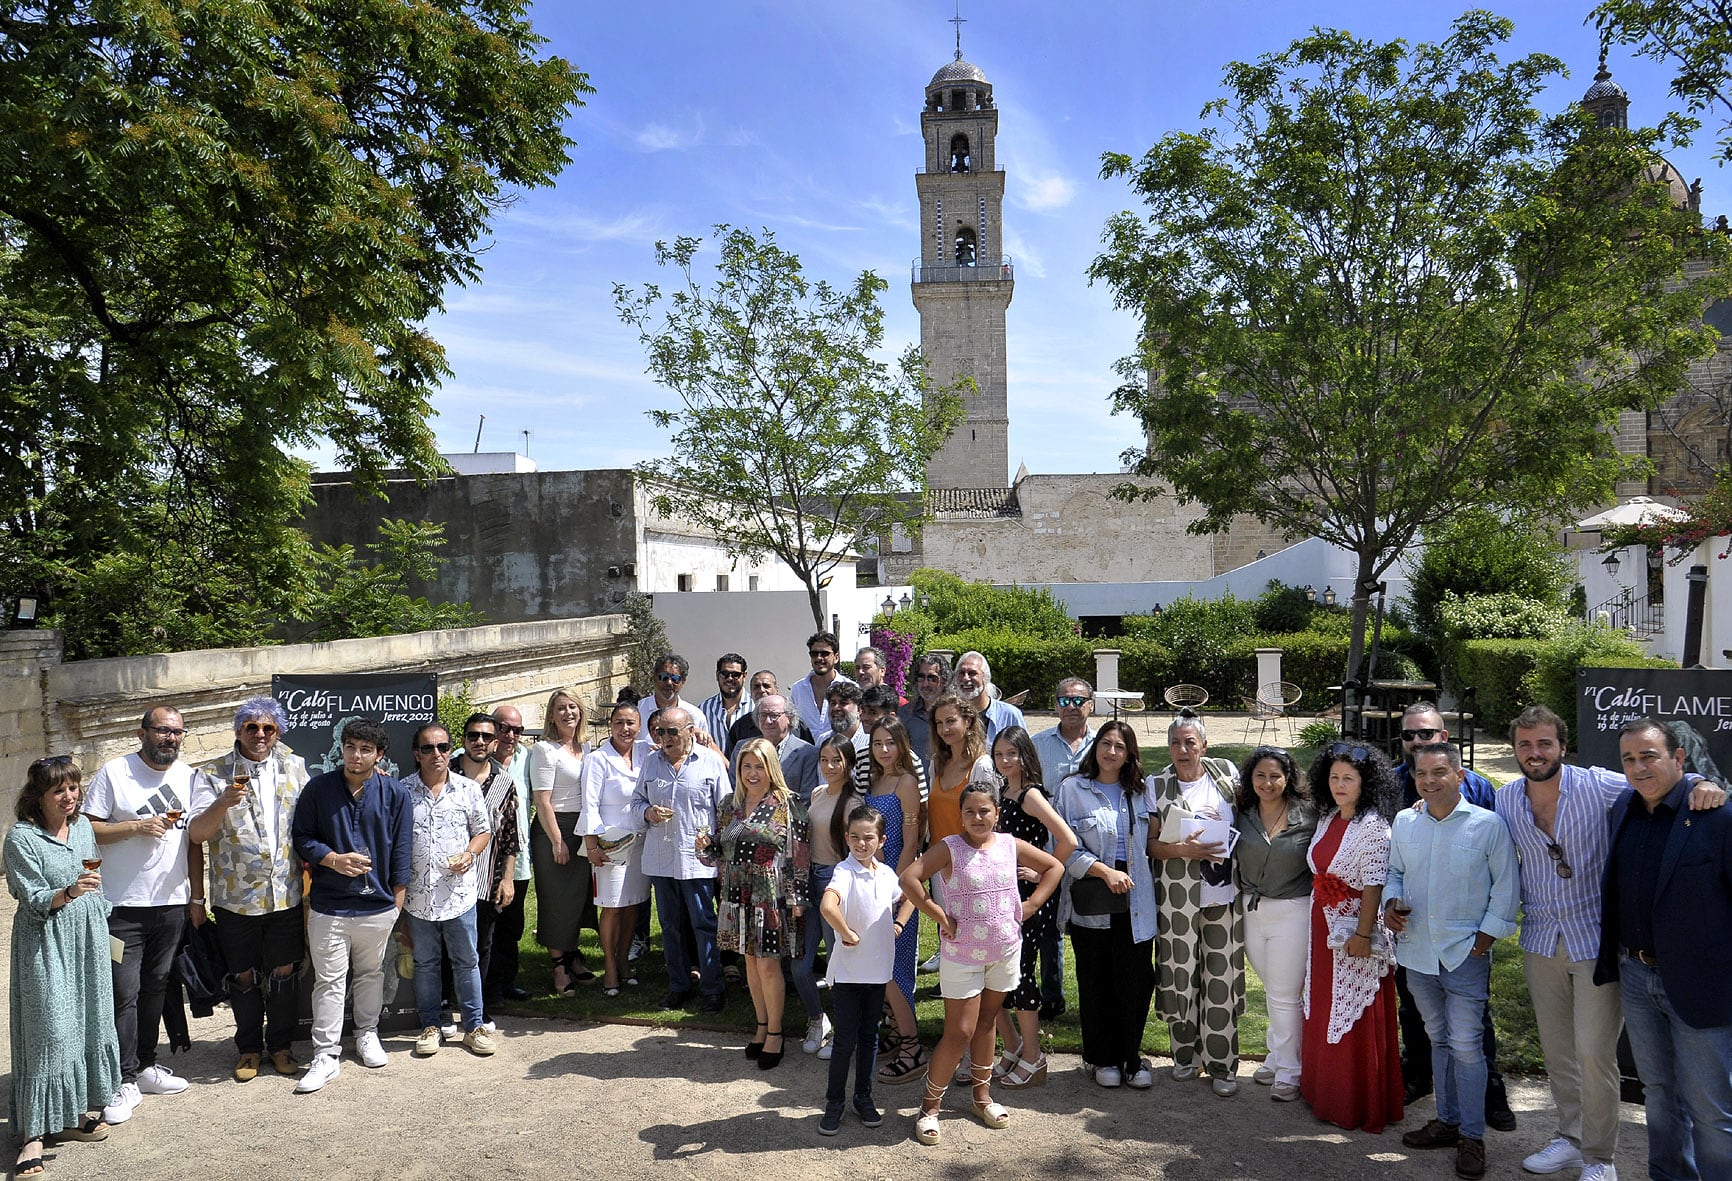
1377	788
1248	794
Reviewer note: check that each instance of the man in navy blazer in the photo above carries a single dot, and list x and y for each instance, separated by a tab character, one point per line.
1666	937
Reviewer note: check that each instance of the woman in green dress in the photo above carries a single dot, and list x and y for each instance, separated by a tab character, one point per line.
65	1057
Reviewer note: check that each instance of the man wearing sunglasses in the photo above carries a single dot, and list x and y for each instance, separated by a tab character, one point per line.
496	868
1557	814
452	829
1422	725
931	677
671	672
244	815
1061	750
136	805
809	694
729	703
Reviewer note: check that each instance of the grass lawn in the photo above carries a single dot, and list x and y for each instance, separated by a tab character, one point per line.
1512	1013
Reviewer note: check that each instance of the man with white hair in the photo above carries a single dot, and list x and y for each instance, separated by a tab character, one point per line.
973	676
244	815
775	717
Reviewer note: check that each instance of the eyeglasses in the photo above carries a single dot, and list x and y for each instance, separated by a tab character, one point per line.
1424	735
670	678
1357	753
258	727
478	736
508	728
817	652
929	677
428	748
166	731
666	731
774	713
1558	862
1073	702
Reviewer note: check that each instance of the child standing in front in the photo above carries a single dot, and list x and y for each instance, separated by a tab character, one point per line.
980	944
858	904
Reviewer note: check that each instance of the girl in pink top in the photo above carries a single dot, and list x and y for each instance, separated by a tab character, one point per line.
980	944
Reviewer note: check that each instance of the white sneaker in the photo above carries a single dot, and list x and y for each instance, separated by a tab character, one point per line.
1142	1078
817	1031
120	1105
450	1032
930	965
1599	1173
324	1068
368	1049
827	1049
1555	1157
160	1080
639	945
490	1027
1109	1076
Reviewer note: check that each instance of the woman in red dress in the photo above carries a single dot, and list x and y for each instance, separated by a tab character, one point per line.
1352	1063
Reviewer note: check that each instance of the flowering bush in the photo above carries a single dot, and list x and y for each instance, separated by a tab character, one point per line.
1706	517
898	652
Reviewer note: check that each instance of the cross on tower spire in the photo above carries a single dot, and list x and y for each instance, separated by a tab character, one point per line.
958	21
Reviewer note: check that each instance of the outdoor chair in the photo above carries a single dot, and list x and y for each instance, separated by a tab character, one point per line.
1272	703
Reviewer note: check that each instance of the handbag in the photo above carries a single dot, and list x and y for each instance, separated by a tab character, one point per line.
1090	895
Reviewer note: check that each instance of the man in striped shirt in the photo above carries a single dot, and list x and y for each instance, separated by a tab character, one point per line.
1557	815
729	704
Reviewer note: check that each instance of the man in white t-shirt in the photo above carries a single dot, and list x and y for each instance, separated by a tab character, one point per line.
137	807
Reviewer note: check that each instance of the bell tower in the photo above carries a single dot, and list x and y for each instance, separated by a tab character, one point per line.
962	281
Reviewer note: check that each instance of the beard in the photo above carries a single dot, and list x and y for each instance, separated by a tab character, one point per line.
1547	773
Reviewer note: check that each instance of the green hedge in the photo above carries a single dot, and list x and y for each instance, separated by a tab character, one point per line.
1510	675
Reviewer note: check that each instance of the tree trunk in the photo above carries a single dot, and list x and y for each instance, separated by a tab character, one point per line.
1361	609
817	604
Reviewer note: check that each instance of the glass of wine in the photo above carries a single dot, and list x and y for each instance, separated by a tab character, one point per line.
93	863
1404	908
173	816
366	879
243	777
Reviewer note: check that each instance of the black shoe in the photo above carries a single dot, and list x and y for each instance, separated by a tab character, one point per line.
769	1059
712	1004
676	1000
1052	1009
868	1112
515	993
1500	1117
830	1122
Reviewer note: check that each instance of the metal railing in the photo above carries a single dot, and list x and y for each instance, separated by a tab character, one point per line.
985	271
1641	617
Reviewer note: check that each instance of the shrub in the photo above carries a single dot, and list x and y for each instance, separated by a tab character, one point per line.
1460	618
1196	631
1511	674
1479	553
1317	735
1283	608
946	604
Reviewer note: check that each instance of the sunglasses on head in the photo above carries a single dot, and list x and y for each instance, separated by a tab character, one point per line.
1269	752
1357	753
52	761
428	748
1426	734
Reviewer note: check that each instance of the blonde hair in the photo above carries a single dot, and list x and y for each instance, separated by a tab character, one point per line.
973	735
772	764
548	729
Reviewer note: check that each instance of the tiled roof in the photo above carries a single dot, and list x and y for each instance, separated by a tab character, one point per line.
973	502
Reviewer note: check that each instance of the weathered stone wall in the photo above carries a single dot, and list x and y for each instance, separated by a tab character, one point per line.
962	334
91	708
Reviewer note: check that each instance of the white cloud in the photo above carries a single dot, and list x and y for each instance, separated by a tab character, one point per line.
1040	193
641	226
1025	257
665	137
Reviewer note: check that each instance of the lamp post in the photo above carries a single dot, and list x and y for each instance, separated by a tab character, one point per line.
904	602
1329	596
1310	593
888	606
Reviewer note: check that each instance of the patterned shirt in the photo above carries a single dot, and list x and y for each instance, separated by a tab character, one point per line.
253	866
1555	907
720	719
443	826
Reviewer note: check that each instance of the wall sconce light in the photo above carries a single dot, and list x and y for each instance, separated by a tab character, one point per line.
1611	564
1310	593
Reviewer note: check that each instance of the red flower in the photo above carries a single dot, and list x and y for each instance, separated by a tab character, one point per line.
1330	890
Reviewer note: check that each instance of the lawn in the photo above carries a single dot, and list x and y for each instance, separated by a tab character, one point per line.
1512	1013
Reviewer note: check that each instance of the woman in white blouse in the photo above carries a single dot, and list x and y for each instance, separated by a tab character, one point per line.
562	897
610	840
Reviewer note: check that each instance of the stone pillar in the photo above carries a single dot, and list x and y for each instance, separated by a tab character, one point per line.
1107	669
1268	668
25	657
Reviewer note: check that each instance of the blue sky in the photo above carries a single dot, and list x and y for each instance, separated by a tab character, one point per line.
804	118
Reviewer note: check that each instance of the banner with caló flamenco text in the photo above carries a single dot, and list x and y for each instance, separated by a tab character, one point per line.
1697	702
320	706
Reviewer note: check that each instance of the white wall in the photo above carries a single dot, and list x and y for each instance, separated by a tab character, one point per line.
1717	609
665	556
1311	562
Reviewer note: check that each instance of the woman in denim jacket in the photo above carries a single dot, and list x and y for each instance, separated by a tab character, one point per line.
1115	972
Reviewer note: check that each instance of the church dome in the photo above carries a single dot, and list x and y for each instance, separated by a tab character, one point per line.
1604	88
956	71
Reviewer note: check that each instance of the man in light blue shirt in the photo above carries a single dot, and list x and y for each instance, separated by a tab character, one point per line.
1061	750
1453	889
679	791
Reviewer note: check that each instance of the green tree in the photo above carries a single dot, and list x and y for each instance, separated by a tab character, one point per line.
345	596
1695	38
1477	552
222	227
1381	287
793	437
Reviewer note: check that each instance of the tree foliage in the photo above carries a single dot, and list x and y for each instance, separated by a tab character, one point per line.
1381	287
1695	38
221	229
1478	552
792	437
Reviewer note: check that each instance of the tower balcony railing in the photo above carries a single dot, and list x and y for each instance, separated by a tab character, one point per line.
984	271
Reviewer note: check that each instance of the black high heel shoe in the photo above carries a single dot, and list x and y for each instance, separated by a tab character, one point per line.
753	1049
768	1060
